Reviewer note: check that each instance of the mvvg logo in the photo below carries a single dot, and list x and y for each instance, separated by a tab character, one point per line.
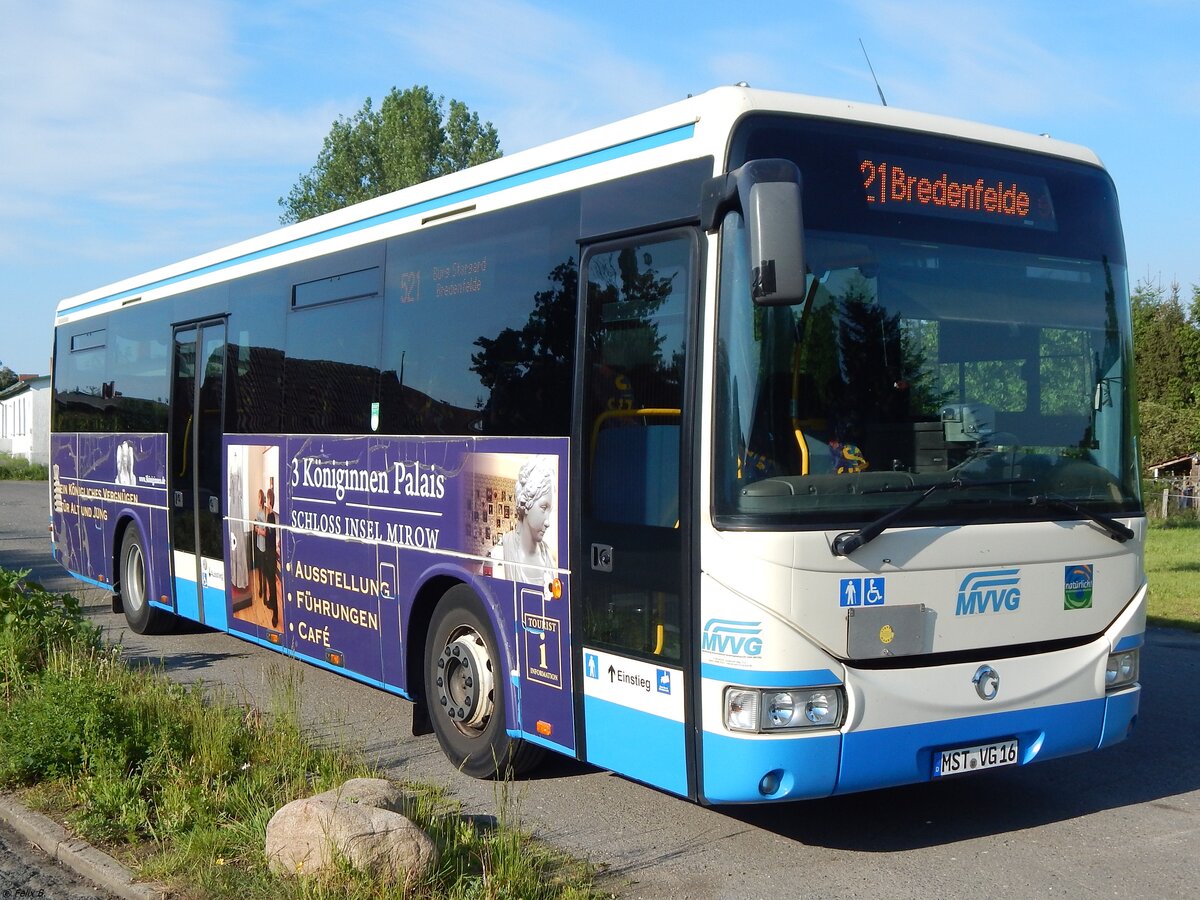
732	638
982	592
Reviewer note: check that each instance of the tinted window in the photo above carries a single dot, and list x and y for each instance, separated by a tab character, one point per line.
81	378
110	372
256	342
480	324
331	373
139	347
658	197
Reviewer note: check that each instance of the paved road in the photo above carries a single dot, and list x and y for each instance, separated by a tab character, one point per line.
28	874
1121	823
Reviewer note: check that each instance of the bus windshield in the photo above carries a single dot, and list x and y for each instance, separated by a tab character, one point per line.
983	338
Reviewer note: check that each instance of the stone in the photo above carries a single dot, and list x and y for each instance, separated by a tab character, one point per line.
307	835
377	792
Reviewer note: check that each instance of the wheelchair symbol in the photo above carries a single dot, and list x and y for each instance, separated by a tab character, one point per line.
872	592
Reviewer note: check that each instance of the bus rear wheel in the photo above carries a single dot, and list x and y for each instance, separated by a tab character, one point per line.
133	588
465	689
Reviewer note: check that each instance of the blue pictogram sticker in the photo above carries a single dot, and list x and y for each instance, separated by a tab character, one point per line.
851	592
873	592
591	665
664	681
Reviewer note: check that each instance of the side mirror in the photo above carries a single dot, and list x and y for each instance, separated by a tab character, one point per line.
767	191
773	220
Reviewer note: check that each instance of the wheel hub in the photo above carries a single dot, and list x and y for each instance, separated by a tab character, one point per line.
133	580
464	682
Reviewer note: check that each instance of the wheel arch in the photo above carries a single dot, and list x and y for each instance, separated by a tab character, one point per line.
426	600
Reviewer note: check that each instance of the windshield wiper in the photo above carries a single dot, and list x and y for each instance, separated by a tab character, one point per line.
1116	530
849	541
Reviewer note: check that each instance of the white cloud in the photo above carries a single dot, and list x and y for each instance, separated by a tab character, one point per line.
130	99
980	60
536	73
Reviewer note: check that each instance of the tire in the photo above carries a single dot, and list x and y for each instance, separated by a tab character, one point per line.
466	691
135	601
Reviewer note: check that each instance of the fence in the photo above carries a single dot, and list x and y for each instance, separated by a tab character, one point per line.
1171	498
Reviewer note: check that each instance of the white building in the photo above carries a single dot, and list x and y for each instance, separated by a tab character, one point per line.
25	419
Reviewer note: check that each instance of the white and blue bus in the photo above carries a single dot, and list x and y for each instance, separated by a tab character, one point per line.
759	447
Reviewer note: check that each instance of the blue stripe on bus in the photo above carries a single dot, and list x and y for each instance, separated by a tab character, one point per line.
754	678
1120	716
216	608
884	757
636	744
1129	642
795	768
187	604
629	148
92	581
810	766
216	604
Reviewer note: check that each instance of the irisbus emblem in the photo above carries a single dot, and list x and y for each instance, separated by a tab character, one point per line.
733	638
989	592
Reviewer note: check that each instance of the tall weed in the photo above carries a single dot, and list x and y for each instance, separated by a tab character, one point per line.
182	780
34	624
14	468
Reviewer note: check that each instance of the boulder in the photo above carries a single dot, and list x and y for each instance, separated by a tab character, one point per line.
307	835
377	792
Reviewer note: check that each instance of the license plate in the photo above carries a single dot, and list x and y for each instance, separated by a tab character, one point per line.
974	759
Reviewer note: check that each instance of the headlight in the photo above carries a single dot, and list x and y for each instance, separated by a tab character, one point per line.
747	709
1122	670
741	709
781	709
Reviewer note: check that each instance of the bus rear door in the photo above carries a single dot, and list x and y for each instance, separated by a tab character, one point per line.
194	472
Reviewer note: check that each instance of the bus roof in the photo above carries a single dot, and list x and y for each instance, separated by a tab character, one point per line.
687	129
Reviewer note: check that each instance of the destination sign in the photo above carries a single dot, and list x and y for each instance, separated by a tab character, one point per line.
926	187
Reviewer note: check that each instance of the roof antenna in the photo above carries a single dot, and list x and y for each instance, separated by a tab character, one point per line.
882	99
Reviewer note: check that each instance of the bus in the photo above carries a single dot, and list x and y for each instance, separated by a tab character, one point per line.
760	447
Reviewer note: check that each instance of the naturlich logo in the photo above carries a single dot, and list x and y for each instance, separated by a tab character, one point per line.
1077	587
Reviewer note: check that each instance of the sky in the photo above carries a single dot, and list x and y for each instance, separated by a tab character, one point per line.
136	133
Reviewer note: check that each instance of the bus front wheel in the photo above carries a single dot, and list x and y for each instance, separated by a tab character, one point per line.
465	689
133	586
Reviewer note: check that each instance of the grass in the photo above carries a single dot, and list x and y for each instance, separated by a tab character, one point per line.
1173	569
15	469
180	782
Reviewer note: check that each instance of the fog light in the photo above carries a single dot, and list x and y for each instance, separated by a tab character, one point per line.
770	783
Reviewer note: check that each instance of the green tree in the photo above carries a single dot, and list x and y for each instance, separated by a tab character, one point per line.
1167	432
7	377
1166	345
1163	341
413	136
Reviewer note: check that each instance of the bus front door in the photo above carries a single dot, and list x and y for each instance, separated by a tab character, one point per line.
194	472
629	578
